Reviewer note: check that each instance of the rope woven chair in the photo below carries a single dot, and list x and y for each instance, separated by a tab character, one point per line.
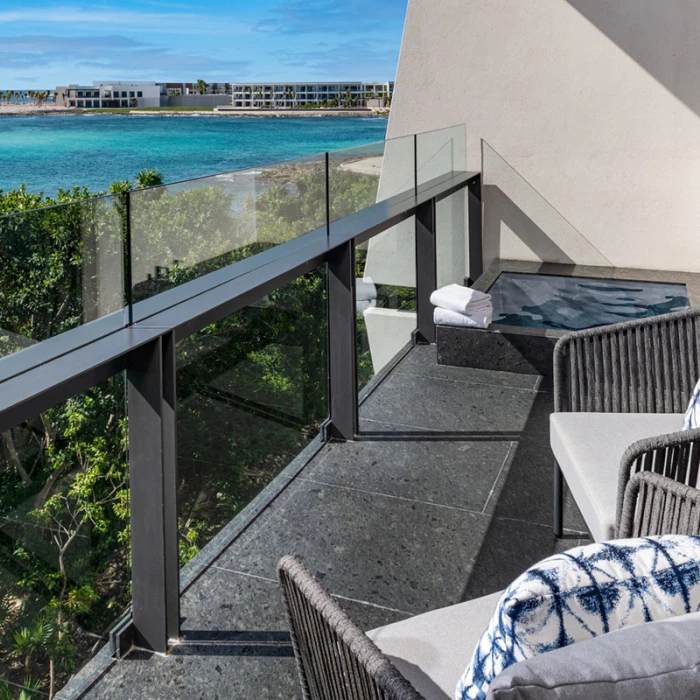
335	659
657	505
648	365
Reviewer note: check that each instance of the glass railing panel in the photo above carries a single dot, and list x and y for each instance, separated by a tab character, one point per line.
60	267
183	231
252	393
520	224
361	176
438	154
386	271
64	538
354	176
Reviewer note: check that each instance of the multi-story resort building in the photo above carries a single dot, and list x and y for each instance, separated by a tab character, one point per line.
110	94
243	95
290	95
175	89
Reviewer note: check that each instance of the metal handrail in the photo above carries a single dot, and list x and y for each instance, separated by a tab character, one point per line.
56	369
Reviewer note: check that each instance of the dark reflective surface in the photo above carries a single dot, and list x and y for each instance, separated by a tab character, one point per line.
575	303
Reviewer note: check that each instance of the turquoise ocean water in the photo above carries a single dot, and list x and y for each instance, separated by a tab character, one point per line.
49	152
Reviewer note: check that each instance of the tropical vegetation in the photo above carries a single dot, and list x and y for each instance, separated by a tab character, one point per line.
252	390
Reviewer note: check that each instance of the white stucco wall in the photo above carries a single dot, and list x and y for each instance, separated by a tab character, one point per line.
594	102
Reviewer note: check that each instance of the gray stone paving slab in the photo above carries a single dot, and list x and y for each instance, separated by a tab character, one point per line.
223	601
478	411
526	487
400	554
220	675
428	468
422	361
510	547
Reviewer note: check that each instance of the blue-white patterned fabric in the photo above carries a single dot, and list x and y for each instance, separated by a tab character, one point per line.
584	593
692	415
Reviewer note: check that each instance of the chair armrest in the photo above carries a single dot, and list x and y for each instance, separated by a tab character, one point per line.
647	365
675	456
657	505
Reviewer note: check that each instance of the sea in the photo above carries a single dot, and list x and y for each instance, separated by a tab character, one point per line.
52	152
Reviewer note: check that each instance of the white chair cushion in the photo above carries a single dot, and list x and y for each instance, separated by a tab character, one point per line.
589	448
692	415
430	649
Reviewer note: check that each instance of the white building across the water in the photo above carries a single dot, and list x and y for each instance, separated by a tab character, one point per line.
281	95
118	93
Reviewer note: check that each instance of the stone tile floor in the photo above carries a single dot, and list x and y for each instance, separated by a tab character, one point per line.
446	496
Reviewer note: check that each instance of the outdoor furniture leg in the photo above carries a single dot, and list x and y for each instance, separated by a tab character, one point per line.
558	501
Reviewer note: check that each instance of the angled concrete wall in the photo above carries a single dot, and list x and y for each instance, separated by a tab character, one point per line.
594	102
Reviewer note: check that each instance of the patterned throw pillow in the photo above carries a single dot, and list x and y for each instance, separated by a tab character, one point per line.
692	415
584	593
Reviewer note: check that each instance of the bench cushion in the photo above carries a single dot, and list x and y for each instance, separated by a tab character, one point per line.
430	650
645	662
589	448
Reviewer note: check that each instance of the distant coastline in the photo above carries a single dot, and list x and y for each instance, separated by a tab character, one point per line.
59	150
32	110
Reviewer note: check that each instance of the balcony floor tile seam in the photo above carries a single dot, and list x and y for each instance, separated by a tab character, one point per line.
536	523
483	512
338	596
498	476
380	494
508	387
400	425
511	436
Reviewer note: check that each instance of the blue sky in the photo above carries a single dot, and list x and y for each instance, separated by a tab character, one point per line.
44	43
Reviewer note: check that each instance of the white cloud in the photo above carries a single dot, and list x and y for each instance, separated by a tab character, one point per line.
151	22
109	55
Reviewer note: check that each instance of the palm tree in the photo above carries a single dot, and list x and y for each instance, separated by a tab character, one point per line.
149	178
201	87
119	187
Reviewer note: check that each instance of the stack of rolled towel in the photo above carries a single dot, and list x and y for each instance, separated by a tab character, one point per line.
456	305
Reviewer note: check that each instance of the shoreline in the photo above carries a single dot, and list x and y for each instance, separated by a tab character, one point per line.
34	110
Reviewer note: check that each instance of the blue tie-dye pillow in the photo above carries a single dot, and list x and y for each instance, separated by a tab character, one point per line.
584	593
692	415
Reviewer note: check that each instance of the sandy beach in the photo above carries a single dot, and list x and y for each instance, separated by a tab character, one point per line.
367	166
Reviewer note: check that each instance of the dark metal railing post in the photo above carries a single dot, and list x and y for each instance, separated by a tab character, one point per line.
415	163
128	260
476	248
426	271
153	479
328	194
342	342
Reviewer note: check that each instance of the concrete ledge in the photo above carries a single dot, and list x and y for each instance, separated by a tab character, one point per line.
500	350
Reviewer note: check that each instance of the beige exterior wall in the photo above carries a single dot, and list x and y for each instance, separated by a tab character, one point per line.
594	102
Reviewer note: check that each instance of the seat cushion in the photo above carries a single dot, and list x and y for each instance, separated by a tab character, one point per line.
430	650
645	662
583	593
589	448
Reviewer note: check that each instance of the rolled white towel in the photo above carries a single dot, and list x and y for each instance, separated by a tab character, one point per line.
455	297
445	317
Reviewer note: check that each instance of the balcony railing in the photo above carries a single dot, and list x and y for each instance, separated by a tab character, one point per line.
223	306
